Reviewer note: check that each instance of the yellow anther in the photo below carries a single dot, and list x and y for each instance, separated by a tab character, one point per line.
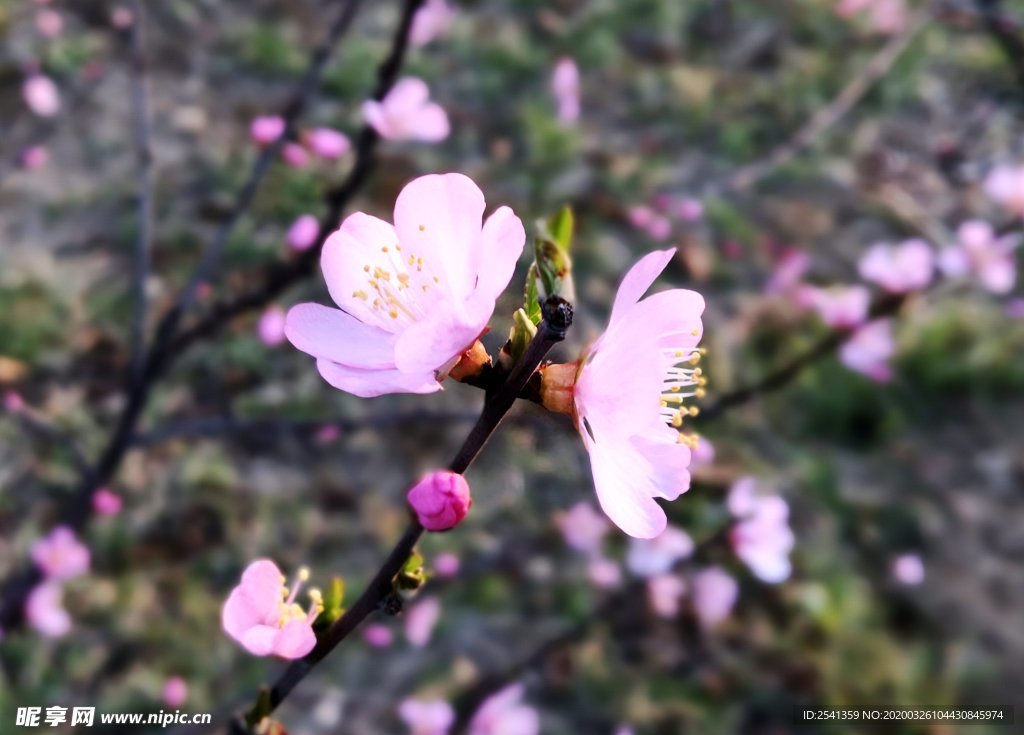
304	574
425	287
412	259
422	228
384	249
694	410
677	420
700	393
695	332
360	294
436	279
393	314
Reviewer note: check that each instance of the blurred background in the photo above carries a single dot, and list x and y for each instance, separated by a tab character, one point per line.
773	142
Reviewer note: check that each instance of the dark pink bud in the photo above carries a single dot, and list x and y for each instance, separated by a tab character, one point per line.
440	500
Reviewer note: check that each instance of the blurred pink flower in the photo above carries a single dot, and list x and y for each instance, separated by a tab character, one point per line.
175	691
565	85
41	95
583	528
106	503
714	595
413	297
420	621
1015	308
659	228
434	717
433	19
982	256
378	636
440	500
302	234
840	307
505	714
60	555
447	565
628	398
328	144
295	155
13	402
664	593
327	433
49	23
908	569
44	610
266	129
761	538
1005	185
271	326
262	615
34	157
702	453
407	113
688	209
604	573
869	350
886	16
657	556
899	268
121	17
641	216
787	278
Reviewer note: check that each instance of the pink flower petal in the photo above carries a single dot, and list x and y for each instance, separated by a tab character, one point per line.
333	335
370	383
640	278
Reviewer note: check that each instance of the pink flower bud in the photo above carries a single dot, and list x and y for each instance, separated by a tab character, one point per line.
447	565
13	402
34	157
302	234
378	636
266	129
175	691
328	144
106	503
295	155
271	326
441	500
41	95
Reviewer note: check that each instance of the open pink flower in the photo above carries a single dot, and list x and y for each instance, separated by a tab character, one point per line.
899	268
44	610
266	129
657	556
982	256
440	500
60	555
714	595
869	350
41	95
262	615
583	528
414	296
433	19
1005	185
327	143
565	85
505	714
761	538
433	717
627	398
787	279
407	113
420	621
840	307
664	594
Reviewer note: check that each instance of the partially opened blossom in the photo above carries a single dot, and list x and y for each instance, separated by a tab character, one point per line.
106	502
175	692
627	393
714	595
982	256
295	155
407	113
761	538
327	143
664	594
656	556
421	619
433	19
378	636
44	610
869	350
899	268
440	500
270	327
583	528
302	234
262	615
266	129
908	569
840	307
413	297
41	95
1005	185
565	86
433	717
60	555
505	714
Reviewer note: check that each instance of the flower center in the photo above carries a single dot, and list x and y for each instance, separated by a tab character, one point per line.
683	379
398	287
290	610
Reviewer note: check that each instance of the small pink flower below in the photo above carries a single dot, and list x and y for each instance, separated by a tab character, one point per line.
440	500
714	595
505	714
60	555
420	621
271	326
908	569
899	268
1005	185
869	350
302	234
41	95
106	502
664	594
327	143
655	557
407	113
44	610
175	691
266	129
761	537
433	717
565	86
983	257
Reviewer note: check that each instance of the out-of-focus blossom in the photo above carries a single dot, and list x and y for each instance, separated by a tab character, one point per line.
60	555
407	113
434	717
583	528
271	326
664	593
432	20
262	615
1015	308
440	500
49	23
420	621
41	95
761	537
1005	185
869	350
327	433
413	297
657	556
624	730
505	714
657	226
121	17
175	691
702	452
295	155
908	569
447	565
327	143
266	129
899	268
106	502
604	573
302	234
982	256
378	636
886	16
787	277
565	86
13	402
626	396
688	209
34	157
840	307
44	610
714	595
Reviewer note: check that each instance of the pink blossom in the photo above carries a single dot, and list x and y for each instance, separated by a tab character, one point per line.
121	17
659	228
899	268
378	636
327	433
407	113
714	595
434	717
175	691
60	555
761	538
840	307
295	155
328	144
34	157
271	326
787	278
583	528
982	256
106	503
44	610
656	556
302	234
413	297
664	593
266	129
433	19
505	714
869	350
447	565
628	398
565	85
41	95
887	16
604	573
49	23
702	452
420	621
1005	185
688	209
440	500
13	402
262	615
641	216
908	569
